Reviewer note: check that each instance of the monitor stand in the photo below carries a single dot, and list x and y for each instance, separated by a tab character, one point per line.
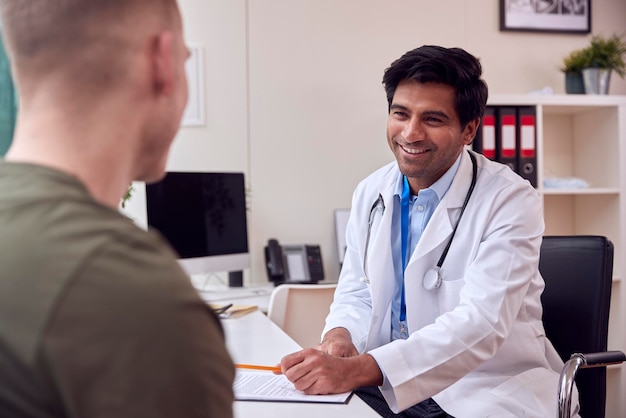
235	278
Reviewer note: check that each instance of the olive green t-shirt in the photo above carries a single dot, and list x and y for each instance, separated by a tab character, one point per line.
96	317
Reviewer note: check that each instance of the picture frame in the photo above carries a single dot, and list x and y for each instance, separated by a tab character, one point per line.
559	16
341	223
194	112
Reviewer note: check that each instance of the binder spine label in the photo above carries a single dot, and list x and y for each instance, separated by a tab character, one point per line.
528	136
489	136
508	136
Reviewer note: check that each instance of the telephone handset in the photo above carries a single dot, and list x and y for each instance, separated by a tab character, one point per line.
299	263
274	261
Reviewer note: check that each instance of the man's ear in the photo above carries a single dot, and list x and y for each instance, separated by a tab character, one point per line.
162	62
470	131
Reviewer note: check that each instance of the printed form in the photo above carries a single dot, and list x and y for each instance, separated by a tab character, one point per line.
267	386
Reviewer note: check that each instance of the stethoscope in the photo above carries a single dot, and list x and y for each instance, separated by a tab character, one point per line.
432	279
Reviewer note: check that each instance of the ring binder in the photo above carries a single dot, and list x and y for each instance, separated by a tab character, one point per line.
485	141
528	144
507	134
507	138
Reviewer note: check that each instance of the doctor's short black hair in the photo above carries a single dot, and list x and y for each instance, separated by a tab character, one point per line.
452	66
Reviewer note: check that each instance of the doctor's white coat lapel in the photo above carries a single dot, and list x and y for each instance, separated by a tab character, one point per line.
380	267
423	305
444	218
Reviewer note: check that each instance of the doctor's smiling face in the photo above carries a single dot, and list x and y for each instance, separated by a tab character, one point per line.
424	131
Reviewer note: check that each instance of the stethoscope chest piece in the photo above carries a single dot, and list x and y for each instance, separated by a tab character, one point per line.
432	279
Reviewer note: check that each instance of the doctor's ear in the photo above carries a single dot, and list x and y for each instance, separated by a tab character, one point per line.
470	131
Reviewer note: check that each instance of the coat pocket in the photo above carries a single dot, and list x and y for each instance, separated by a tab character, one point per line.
449	294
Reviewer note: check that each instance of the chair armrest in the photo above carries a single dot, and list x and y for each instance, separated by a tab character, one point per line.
581	361
602	359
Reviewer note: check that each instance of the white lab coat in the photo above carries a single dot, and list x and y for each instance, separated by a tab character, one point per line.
477	345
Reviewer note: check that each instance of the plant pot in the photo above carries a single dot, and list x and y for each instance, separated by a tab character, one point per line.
596	80
574	83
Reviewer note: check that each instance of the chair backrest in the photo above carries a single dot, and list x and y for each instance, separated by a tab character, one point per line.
301	310
578	274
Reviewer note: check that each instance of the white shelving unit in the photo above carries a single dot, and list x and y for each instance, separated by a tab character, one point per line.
584	136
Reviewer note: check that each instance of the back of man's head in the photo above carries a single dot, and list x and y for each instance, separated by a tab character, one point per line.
84	41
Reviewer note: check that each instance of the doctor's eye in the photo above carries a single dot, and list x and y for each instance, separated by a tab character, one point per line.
399	114
434	120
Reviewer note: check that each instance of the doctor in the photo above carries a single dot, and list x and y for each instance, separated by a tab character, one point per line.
437	311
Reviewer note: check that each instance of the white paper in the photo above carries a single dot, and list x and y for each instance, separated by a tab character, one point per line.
266	386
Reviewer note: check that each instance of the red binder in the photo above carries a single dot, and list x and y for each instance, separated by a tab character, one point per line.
485	141
528	144
507	138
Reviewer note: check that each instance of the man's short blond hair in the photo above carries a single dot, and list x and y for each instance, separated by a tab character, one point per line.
86	39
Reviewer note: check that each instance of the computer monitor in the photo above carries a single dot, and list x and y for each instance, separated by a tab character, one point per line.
203	216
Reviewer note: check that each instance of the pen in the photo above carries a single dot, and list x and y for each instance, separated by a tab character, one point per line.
255	367
223	309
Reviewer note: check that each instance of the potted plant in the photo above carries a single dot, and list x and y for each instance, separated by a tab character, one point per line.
127	195
595	63
607	55
573	65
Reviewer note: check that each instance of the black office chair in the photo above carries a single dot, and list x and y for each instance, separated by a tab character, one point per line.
578	272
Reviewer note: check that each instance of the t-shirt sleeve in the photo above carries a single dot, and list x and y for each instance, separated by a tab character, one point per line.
131	338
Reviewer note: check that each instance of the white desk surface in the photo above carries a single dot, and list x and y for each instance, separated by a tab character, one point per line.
254	339
258	295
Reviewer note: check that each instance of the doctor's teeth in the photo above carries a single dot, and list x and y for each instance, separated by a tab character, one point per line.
413	151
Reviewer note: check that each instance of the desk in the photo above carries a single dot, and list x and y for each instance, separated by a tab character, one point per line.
258	295
255	339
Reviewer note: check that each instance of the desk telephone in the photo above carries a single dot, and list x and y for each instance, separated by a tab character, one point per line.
299	263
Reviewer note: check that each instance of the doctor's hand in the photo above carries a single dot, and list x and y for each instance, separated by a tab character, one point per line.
338	342
317	373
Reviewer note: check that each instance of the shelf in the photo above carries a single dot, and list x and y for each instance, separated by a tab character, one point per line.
568	103
589	191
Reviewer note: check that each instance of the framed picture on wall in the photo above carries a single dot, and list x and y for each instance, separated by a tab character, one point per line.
564	16
194	112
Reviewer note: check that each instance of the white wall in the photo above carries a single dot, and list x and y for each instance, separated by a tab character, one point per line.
219	28
293	94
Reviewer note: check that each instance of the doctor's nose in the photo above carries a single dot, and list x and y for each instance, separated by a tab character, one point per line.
413	131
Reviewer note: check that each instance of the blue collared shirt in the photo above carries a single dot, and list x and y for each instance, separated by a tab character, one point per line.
421	209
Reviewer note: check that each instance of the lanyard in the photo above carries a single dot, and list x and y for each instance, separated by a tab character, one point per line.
405	199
